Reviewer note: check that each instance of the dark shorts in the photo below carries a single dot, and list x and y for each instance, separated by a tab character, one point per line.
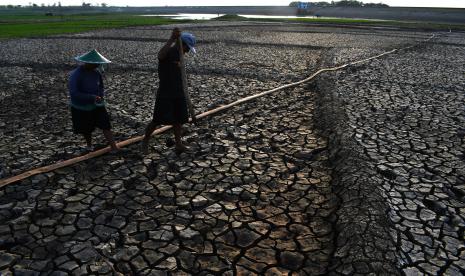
85	122
170	111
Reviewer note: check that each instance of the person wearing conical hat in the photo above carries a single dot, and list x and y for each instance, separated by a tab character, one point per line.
171	104
87	95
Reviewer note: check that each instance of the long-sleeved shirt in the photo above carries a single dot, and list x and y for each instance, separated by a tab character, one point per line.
84	85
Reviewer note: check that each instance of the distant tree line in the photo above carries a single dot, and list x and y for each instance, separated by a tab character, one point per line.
56	9
11	6
54	5
343	3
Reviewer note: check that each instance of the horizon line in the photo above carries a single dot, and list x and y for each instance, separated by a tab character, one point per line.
200	6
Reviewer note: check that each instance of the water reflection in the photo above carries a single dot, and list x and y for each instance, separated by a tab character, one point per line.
208	16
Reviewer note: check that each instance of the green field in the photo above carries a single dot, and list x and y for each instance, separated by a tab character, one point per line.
30	25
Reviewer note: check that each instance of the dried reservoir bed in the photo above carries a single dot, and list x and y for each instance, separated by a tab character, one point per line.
360	171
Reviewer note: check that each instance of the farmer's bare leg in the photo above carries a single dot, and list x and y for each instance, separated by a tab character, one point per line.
177	137
88	138
109	136
149	130
148	133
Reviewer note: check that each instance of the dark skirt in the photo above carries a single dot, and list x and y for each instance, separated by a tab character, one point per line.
85	122
170	111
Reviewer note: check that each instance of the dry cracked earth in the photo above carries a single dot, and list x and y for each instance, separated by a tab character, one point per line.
360	171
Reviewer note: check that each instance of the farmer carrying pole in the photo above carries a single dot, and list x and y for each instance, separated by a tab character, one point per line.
172	103
87	99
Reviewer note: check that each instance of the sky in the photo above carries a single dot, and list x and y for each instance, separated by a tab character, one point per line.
409	3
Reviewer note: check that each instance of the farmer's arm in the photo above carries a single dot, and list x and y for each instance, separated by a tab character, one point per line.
101	88
76	94
164	51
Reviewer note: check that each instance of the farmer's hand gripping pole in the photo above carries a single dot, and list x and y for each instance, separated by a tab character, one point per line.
184	80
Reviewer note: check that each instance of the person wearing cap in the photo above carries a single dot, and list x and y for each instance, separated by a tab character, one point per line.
171	105
86	91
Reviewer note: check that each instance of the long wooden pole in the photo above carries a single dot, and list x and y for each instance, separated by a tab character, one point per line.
184	79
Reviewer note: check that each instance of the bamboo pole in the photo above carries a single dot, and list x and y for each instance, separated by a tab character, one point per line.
184	80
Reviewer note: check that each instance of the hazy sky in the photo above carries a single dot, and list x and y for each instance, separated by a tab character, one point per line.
414	3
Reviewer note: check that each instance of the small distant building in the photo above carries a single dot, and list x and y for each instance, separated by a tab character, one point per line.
303	8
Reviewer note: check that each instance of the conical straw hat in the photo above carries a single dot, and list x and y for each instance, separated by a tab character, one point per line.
93	57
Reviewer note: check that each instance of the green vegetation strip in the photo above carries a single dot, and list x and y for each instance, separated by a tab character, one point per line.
37	25
16	26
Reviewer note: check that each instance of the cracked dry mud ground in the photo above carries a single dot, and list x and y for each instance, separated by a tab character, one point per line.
261	192
233	61
254	196
403	126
